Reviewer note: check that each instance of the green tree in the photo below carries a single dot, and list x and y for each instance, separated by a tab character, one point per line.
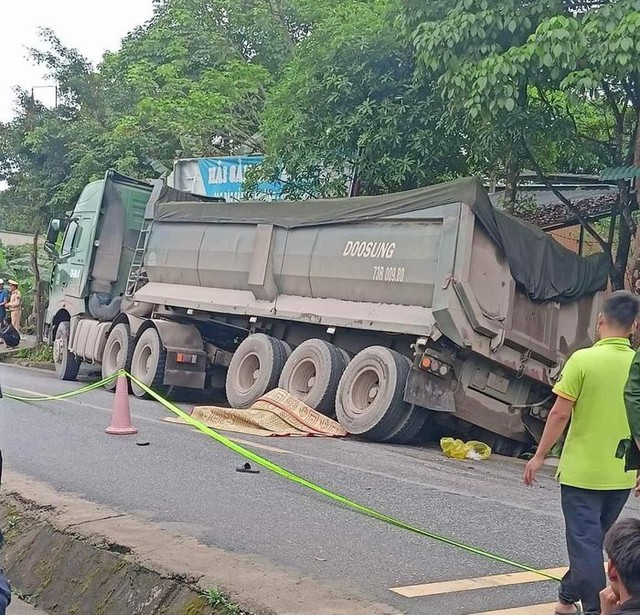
192	82
464	44
349	98
546	80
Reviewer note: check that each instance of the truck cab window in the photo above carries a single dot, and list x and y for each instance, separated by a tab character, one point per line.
70	239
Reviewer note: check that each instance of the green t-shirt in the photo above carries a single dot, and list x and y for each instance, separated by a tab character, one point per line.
594	378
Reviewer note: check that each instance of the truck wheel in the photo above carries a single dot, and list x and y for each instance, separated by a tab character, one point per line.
409	427
148	362
370	395
287	350
312	374
117	355
254	369
410	424
66	363
345	356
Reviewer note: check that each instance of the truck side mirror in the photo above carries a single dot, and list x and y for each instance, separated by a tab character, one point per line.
56	228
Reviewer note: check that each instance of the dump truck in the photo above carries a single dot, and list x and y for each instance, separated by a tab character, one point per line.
393	313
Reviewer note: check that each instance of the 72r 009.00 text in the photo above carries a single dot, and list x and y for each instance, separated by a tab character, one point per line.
388	274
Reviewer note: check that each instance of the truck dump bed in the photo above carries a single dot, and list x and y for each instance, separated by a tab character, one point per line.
431	270
438	256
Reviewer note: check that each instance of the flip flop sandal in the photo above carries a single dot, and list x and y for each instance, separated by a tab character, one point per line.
578	611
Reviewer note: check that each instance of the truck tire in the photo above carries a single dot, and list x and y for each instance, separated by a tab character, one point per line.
254	369
117	355
370	395
66	363
345	356
287	350
312	374
148	363
410	425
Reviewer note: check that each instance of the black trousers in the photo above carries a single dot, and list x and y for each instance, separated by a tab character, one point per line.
5	593
588	515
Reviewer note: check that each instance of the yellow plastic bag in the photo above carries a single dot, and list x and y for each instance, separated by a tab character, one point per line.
457	449
478	451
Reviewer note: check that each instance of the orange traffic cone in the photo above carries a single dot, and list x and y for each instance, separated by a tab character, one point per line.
121	418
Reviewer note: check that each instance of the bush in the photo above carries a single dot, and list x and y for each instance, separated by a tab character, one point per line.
17	262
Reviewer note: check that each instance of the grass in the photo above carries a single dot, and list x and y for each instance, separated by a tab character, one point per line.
215	599
20	595
39	354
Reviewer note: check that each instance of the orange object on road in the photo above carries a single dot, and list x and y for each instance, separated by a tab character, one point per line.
121	417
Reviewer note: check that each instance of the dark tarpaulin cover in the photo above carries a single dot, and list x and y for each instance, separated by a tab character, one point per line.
167	194
162	193
544	268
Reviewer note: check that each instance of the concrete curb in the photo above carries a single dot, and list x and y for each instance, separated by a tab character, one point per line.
26	343
252	583
48	367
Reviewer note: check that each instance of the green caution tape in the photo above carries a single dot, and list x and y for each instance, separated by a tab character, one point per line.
365	510
84	389
284	473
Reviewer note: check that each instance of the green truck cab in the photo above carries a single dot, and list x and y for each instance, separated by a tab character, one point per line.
92	248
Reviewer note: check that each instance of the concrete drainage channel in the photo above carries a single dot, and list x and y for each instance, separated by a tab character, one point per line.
63	572
69	556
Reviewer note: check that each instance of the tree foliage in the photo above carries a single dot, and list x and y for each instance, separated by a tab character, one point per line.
549	86
398	93
349	98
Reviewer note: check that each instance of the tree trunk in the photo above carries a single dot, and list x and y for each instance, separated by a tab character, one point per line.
38	311
511	180
619	268
635	264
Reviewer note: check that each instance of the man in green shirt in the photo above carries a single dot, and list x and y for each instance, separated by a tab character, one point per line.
594	483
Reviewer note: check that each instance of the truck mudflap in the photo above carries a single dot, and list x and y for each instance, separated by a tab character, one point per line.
429	391
186	363
475	391
185	368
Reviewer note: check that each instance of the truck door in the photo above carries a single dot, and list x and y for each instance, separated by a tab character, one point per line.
74	256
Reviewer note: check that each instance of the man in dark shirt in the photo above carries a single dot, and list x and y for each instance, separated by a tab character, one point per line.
4	299
622	545
5	588
5	594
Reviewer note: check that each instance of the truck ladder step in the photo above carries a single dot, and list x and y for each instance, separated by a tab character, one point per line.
137	276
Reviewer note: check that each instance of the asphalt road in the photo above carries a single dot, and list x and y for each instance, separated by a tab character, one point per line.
188	483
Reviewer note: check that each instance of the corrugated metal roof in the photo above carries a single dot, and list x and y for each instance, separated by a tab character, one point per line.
611	173
550	213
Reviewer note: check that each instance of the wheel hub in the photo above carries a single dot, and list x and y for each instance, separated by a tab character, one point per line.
365	390
58	345
248	372
118	353
303	378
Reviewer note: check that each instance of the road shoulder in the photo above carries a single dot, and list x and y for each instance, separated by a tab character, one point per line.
18	607
253	584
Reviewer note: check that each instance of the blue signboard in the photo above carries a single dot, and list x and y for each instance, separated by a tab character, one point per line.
224	177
